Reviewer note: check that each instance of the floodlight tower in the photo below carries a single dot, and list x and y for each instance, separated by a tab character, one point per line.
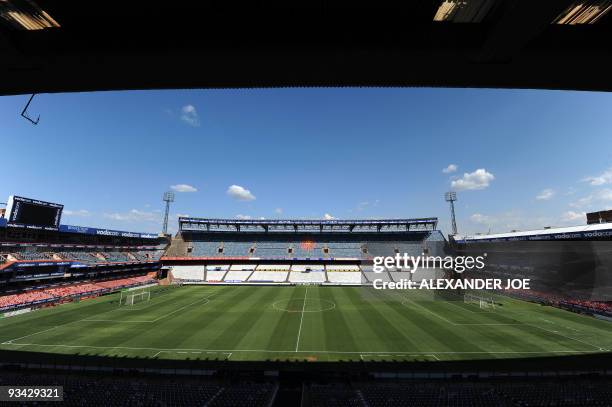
452	197
168	197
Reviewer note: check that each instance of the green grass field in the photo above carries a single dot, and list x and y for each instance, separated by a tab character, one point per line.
303	323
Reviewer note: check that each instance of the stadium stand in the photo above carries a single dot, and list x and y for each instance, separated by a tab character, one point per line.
92	254
307	267
28	297
216	274
130	390
342	267
273	267
269	276
194	273
344	277
307	277
295	239
66	290
237	275
245	267
123	391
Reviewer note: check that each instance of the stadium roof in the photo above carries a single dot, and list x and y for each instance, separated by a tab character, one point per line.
55	46
600	230
189	224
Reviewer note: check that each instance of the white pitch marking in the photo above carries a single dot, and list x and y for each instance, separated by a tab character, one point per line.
568	337
306	351
35	333
86	319
297	344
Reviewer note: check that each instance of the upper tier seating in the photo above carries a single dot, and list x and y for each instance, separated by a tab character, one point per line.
313	249
85	254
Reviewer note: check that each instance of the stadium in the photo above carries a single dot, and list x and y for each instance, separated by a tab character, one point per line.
314	150
276	293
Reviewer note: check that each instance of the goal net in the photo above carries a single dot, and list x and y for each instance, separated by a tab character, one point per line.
482	301
134	297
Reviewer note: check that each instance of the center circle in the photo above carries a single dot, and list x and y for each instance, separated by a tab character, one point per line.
304	305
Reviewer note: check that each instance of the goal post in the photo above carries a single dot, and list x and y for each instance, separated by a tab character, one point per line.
133	297
482	301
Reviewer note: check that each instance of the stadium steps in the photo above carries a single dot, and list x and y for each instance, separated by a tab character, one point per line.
177	248
250	275
363	275
326	276
225	274
217	394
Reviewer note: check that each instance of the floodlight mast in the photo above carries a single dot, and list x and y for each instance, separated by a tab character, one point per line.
168	197
451	197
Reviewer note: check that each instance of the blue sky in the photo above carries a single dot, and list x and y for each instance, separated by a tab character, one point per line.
523	158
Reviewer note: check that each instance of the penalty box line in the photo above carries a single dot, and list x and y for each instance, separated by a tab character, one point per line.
600	348
207	299
457	323
308	351
86	319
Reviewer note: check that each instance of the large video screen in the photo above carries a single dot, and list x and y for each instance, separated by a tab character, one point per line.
33	213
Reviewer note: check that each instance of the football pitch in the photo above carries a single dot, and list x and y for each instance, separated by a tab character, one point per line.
312	323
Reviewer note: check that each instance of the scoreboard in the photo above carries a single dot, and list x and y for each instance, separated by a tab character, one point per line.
33	213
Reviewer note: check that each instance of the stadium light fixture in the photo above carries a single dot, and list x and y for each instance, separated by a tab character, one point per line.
584	12
168	197
451	197
26	15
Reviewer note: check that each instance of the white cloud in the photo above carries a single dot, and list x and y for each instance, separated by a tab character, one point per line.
545	195
189	115
571	216
602	197
480	218
243	217
183	188
135	215
327	216
479	179
582	202
79	212
181	215
601	179
240	193
278	211
450	169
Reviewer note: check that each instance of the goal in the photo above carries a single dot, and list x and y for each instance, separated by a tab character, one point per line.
483	302
134	297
